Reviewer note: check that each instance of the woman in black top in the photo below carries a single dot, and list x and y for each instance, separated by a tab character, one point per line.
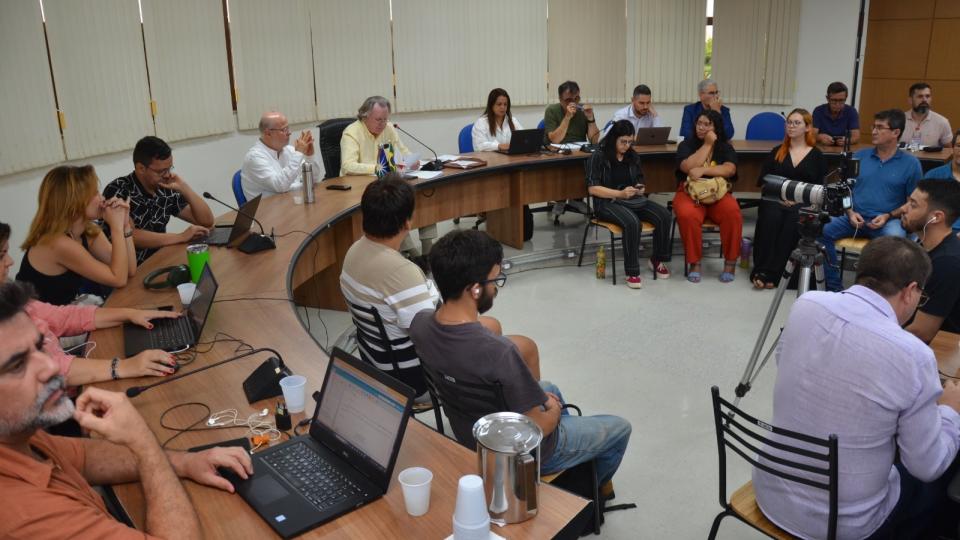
776	234
615	181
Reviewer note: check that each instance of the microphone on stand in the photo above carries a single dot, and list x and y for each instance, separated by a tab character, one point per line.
436	164
263	383
254	242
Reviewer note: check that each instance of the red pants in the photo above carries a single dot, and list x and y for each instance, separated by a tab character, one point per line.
690	216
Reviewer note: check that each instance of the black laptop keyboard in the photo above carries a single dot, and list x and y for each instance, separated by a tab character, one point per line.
311	475
171	334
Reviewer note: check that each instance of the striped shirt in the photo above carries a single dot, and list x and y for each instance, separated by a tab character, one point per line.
377	276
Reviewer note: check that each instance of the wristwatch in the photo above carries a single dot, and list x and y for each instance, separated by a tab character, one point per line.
128	234
113	368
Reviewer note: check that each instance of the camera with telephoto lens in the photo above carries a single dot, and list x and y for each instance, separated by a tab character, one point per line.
833	197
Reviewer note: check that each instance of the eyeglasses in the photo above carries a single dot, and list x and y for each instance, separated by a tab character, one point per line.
161	172
714	93
285	130
837	101
796	123
923	297
881	128
623	141
705	125
500	280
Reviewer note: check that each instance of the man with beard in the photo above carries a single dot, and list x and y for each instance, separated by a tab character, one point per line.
929	213
451	340
923	124
45	479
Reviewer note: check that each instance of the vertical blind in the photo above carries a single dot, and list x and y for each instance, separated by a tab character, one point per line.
586	44
272	60
665	47
755	50
96	50
192	98
28	106
352	54
450	54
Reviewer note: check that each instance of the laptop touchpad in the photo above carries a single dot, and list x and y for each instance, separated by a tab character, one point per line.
266	490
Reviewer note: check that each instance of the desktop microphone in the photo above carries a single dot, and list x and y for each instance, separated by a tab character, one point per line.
254	242
263	383
436	164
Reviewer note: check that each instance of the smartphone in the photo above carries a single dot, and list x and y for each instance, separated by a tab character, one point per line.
340	187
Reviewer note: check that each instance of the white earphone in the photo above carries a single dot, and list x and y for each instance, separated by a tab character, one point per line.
931	220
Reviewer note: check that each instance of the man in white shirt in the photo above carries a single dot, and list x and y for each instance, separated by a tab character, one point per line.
272	165
640	112
924	125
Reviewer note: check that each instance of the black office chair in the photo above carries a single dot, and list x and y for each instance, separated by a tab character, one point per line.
330	132
378	350
735	429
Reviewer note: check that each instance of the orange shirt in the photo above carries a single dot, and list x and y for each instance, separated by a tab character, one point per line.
52	499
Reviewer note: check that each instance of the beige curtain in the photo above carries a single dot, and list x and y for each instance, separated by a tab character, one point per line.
665	47
587	44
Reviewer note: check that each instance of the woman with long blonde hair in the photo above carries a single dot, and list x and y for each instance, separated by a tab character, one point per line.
797	158
64	245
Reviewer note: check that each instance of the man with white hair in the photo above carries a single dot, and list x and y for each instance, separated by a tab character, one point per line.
709	99
45	479
272	165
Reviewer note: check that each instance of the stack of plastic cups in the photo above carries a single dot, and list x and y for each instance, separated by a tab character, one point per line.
471	521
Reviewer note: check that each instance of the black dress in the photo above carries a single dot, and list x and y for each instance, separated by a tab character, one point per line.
58	290
776	234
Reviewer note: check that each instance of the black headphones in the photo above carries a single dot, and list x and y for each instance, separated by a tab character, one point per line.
168	277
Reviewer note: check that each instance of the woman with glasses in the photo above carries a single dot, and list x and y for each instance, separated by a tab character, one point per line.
615	181
64	246
707	156
797	158
493	130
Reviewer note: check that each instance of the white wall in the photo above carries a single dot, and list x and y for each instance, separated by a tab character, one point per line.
827	42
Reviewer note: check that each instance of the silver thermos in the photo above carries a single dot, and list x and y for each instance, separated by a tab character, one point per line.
307	180
508	455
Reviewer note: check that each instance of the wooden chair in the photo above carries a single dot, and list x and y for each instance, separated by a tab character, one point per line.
752	439
852	245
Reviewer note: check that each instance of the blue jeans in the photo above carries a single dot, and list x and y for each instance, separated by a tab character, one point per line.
582	438
840	227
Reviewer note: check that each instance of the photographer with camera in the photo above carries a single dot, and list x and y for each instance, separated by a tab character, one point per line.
846	367
887	177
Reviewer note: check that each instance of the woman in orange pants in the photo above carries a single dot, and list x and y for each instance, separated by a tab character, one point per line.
706	155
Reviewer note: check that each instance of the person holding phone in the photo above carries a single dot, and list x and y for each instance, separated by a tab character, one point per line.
709	100
615	181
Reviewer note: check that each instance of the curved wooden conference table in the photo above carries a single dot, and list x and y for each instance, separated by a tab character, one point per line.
256	304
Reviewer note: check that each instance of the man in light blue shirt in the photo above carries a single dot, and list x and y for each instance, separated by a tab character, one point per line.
887	178
846	367
639	112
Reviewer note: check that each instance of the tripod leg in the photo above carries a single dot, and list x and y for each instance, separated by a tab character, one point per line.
803	284
818	262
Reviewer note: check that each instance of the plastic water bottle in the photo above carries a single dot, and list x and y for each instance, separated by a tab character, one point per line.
746	248
601	264
915	140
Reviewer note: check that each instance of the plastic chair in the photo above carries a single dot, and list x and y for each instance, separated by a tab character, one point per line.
465	139
238	189
766	126
540	125
751	438
328	139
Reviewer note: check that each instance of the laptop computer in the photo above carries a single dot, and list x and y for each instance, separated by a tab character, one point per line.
347	459
652	135
175	334
524	141
222	235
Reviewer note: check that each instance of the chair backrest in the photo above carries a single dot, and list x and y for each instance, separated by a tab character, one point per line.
540	125
329	135
377	349
238	189
766	126
750	437
465	139
464	402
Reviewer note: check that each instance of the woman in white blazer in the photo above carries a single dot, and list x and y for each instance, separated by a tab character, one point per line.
492	131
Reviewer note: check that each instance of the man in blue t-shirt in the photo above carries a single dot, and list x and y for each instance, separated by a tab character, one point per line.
833	119
709	99
949	171
887	178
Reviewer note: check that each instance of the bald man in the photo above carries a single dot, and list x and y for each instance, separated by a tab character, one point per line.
272	165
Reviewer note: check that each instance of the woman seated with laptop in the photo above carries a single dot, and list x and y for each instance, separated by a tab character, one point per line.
56	321
615	181
492	131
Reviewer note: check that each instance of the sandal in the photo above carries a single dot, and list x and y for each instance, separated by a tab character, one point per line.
694	276
728	272
759	280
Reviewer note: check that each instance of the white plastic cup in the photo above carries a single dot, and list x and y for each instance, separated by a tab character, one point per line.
294	390
186	291
415	482
298	198
470	512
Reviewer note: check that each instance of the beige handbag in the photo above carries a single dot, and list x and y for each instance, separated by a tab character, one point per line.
707	190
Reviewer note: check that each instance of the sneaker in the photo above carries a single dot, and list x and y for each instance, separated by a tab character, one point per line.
660	269
634	282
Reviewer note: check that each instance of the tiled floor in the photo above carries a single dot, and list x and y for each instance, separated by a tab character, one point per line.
649	355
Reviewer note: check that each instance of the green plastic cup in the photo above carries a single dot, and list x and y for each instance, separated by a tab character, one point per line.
198	255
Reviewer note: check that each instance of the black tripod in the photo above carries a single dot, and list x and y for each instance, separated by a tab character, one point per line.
809	255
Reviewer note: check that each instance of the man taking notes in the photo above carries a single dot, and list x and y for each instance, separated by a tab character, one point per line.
272	165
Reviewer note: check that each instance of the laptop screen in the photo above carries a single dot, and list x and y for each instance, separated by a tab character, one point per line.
202	300
361	412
